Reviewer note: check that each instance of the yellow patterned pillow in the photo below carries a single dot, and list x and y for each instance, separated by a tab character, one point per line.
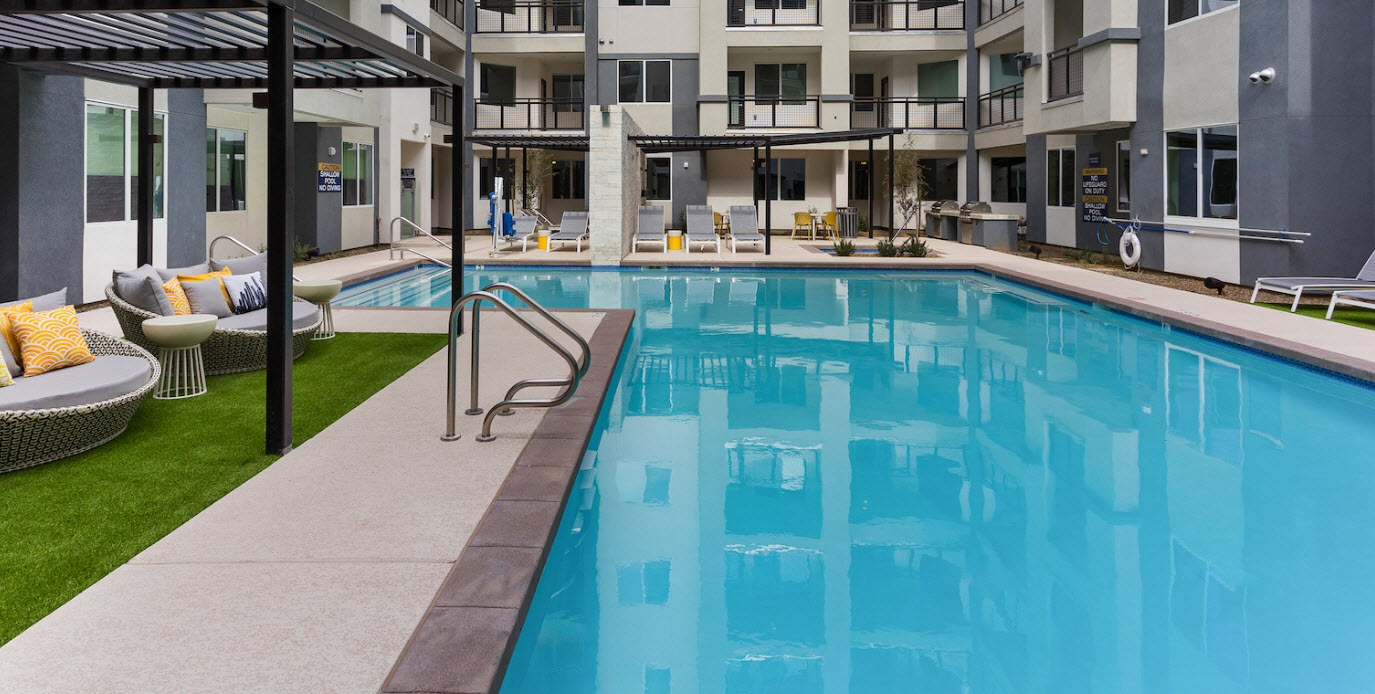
50	340
7	330
181	306
5	378
209	276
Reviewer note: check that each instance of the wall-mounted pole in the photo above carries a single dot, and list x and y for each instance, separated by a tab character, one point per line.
146	180
280	222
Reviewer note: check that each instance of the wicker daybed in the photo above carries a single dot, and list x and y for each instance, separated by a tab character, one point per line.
30	437
228	350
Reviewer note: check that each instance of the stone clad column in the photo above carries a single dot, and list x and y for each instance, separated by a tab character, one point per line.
615	174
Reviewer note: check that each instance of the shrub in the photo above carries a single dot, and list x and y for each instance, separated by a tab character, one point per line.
887	249
844	248
915	248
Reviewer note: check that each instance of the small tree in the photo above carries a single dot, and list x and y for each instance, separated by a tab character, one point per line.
539	167
909	187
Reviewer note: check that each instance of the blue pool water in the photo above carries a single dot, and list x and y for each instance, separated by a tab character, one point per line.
869	483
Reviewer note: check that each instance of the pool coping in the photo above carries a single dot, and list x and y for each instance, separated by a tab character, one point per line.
464	641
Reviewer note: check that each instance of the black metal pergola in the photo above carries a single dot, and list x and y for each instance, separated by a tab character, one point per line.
659	144
271	45
558	143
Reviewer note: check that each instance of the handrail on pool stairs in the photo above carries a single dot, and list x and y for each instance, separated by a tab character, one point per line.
569	384
392	248
210	252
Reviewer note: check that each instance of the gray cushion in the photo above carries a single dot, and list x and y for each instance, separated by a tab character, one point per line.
10	363
169	273
106	378
207	296
243	266
142	287
302	316
46	302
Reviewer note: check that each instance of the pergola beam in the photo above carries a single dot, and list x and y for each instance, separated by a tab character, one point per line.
80	6
157	54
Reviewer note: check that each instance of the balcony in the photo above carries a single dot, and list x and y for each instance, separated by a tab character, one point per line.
774	112
451	10
909	113
524	17
1001	106
764	13
990	10
442	106
906	15
1065	73
529	114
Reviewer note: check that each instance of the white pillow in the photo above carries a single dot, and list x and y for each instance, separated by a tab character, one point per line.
246	292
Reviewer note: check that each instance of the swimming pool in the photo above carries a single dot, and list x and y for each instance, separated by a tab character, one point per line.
868	482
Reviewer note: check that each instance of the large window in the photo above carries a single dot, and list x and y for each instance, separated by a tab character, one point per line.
860	180
1124	176
938	79
789	180
1201	172
862	88
112	164
1009	179
415	41
645	81
1060	177
568	93
942	178
570	176
498	84
783	80
357	173
658	178
505	168
1180	10
226	170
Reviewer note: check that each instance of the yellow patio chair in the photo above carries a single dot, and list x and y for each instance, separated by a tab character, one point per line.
802	221
722	228
829	226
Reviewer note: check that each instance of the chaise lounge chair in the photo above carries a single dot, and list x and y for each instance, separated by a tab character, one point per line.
573	229
744	227
701	228
651	228
1296	286
525	232
1361	298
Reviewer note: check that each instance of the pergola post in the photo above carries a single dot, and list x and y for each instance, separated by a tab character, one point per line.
280	223
524	171
754	175
768	199
869	168
459	192
509	195
892	186
144	201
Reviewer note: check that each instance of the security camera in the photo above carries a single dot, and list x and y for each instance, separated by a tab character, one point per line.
1265	76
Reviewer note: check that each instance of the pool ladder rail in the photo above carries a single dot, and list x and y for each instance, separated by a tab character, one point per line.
393	249
576	368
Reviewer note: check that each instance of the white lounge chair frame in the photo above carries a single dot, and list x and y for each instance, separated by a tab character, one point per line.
1363	281
651	228
1361	298
573	229
701	228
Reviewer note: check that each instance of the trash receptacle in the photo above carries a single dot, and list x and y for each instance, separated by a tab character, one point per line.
847	222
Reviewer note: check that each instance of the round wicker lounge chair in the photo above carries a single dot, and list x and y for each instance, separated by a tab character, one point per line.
34	437
227	351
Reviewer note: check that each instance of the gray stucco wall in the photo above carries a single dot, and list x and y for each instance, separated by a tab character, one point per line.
689	184
1148	133
319	216
185	177
972	89
1036	188
42	223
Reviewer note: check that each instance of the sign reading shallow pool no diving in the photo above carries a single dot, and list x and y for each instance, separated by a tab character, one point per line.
1095	194
331	178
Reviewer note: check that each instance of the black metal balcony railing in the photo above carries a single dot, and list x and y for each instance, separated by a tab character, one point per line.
990	10
529	17
1065	73
774	111
1001	106
743	13
529	114
442	106
906	15
451	10
908	113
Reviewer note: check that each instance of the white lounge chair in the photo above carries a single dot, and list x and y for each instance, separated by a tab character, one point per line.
651	228
744	227
1361	298
525	232
1296	286
573	229
701	228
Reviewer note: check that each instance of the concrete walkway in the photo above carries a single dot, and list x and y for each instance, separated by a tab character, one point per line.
312	575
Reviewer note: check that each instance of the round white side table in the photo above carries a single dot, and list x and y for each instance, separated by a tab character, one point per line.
179	341
320	293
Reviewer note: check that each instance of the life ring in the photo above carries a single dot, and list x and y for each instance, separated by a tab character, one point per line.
1129	248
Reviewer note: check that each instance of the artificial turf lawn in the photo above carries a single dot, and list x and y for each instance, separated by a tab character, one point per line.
66	524
1359	317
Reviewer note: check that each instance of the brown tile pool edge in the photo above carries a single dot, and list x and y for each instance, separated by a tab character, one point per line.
464	641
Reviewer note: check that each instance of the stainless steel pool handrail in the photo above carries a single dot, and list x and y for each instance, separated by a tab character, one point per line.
210	250
403	250
393	249
562	326
570	384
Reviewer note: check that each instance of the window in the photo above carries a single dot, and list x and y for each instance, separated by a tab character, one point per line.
112	164
942	178
568	93
1009	179
939	79
226	170
505	168
860	180
1201	172
415	41
789	180
862	88
645	81
1060	177
786	80
498	84
1003	72
569	179
1180	10
780	4
357	173
658	179
1124	176
646	3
